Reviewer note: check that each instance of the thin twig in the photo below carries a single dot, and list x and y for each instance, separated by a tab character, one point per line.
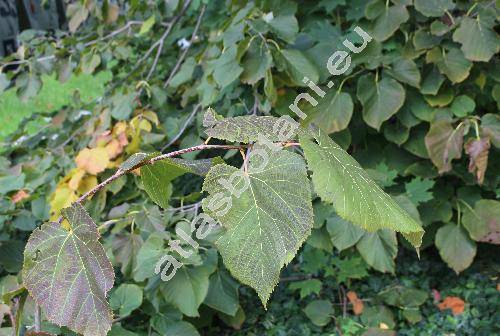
120	172
184	53
161	41
38	318
183	128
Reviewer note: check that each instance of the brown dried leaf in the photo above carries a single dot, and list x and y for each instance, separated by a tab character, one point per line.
19	196
478	153
357	303
456	304
93	161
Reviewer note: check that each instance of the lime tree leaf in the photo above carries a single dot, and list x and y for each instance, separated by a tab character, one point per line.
479	41
333	112
268	223
339	179
380	99
181	328
462	106
343	233
444	144
434	8
223	293
452	63
455	246
285	26
299	66
189	286
386	24
405	71
478	151
133	160
256	62
379	249
226	67
483	222
126	298
157	177
243	129
320	312
68	274
150	252
490	125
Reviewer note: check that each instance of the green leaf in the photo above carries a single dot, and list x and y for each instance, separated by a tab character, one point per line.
350	268
134	160
189	287
267	223
226	67
11	182
380	99
374	316
333	112
126	298
320	239
455	246
147	25
452	63
462	106
285	26
379	249
339	179
299	66
434	8
386	24
180	328
157	177
150	252
256	62
223	293
417	190
405	71
483	222
490	126
243	129
320	312
68	274
479	42
306	287
343	233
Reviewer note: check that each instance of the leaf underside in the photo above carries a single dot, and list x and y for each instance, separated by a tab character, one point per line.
338	178
268	223
68	274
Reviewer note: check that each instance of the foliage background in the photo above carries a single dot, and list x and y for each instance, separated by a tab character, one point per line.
418	110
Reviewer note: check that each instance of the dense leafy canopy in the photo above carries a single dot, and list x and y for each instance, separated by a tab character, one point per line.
408	143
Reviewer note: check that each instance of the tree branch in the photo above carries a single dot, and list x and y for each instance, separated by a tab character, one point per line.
184	53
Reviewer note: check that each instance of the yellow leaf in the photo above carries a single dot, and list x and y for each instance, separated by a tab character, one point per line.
86	184
62	198
76	177
93	161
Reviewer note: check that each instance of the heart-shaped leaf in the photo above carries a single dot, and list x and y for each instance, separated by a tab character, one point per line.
68	274
267	223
